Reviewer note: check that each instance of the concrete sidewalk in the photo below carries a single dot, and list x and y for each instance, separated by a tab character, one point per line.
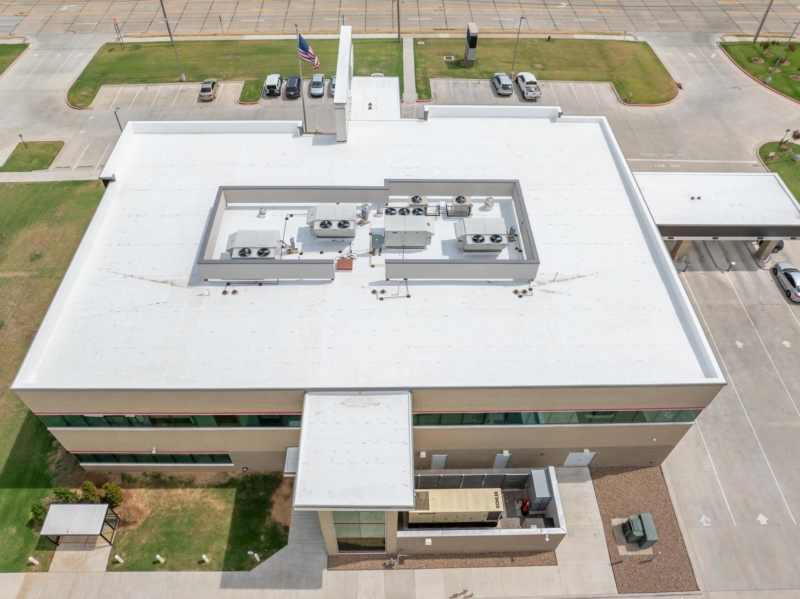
41	176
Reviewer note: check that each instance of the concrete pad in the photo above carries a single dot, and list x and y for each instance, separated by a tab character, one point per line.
87	585
276	562
370	584
95	556
398	584
53	585
546	581
722	560
191	585
341	584
457	580
67	557
306	531
233	585
587	580
10	585
583	545
428	584
577	497
517	582
306	556
302	584
700	496
768	552
487	582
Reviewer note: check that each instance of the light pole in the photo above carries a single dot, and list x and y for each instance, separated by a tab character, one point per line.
761	24
398	19
116	110
780	58
166	21
23	141
513	62
342	20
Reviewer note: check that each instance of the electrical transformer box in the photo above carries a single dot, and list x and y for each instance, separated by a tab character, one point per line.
457	506
538	490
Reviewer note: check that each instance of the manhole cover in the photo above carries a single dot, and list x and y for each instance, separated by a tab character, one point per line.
449	58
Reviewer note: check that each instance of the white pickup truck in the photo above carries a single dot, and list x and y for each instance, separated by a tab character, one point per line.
529	86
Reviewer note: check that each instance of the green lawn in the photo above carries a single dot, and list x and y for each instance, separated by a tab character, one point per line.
41	225
630	66
9	53
252	61
32	156
788	169
743	52
185	521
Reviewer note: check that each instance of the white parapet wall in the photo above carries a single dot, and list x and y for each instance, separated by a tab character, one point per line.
344	76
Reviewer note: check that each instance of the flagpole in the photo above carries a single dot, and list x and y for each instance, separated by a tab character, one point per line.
300	66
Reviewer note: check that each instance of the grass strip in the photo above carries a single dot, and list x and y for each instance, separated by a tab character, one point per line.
632	67
783	164
9	53
743	54
32	156
230	60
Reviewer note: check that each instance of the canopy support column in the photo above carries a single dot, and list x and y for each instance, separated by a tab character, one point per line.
679	249
765	249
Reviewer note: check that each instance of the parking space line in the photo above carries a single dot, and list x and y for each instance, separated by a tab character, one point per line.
136	96
555	95
572	87
716	474
81	156
788	307
686	63
102	156
700	50
471	96
114	101
61	67
34	69
180	87
156	96
738	397
595	93
780	378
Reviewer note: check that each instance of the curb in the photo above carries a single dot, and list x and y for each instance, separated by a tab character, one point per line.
761	83
16	60
77	107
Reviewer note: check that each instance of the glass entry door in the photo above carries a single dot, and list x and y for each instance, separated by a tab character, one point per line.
360	532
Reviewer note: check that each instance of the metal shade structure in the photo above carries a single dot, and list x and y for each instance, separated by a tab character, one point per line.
80	520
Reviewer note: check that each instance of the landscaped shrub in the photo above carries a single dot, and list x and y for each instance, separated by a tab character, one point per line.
38	512
65	495
89	492
113	494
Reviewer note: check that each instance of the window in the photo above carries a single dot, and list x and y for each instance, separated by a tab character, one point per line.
154	458
529	418
360	532
174	421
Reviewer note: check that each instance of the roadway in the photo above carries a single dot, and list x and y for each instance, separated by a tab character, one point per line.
31	17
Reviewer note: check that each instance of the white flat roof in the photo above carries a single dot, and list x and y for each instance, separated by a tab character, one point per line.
606	308
74	519
718	199
375	98
355	452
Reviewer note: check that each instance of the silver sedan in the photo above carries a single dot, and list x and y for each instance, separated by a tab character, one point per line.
789	278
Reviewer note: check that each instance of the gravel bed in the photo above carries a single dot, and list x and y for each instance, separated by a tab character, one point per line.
441	560
622	492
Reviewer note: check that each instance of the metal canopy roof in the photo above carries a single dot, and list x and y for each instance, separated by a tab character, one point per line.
720	205
71	519
356	452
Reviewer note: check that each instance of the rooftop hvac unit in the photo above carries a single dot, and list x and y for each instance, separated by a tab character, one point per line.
407	231
456	506
332	220
482	234
461	206
418	202
264	245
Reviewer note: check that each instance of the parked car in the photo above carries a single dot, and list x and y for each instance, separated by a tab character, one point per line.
529	86
332	86
272	86
293	87
778	246
208	90
502	83
317	87
789	278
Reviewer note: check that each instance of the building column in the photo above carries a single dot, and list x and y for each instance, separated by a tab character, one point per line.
391	533
328	532
679	249
765	249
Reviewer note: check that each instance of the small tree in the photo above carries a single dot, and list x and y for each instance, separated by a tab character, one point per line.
796	135
765	44
89	492
65	495
113	494
38	512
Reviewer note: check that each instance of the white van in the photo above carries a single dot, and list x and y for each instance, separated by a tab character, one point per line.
272	86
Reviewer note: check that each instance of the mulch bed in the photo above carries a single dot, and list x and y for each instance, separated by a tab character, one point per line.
622	492
438	560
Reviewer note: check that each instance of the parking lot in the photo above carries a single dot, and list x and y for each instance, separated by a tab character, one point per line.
735	478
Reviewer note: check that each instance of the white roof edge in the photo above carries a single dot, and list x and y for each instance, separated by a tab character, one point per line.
344	64
658	250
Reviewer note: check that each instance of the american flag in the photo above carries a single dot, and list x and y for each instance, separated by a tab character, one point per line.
306	53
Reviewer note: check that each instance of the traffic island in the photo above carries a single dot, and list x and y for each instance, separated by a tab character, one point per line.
663	567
